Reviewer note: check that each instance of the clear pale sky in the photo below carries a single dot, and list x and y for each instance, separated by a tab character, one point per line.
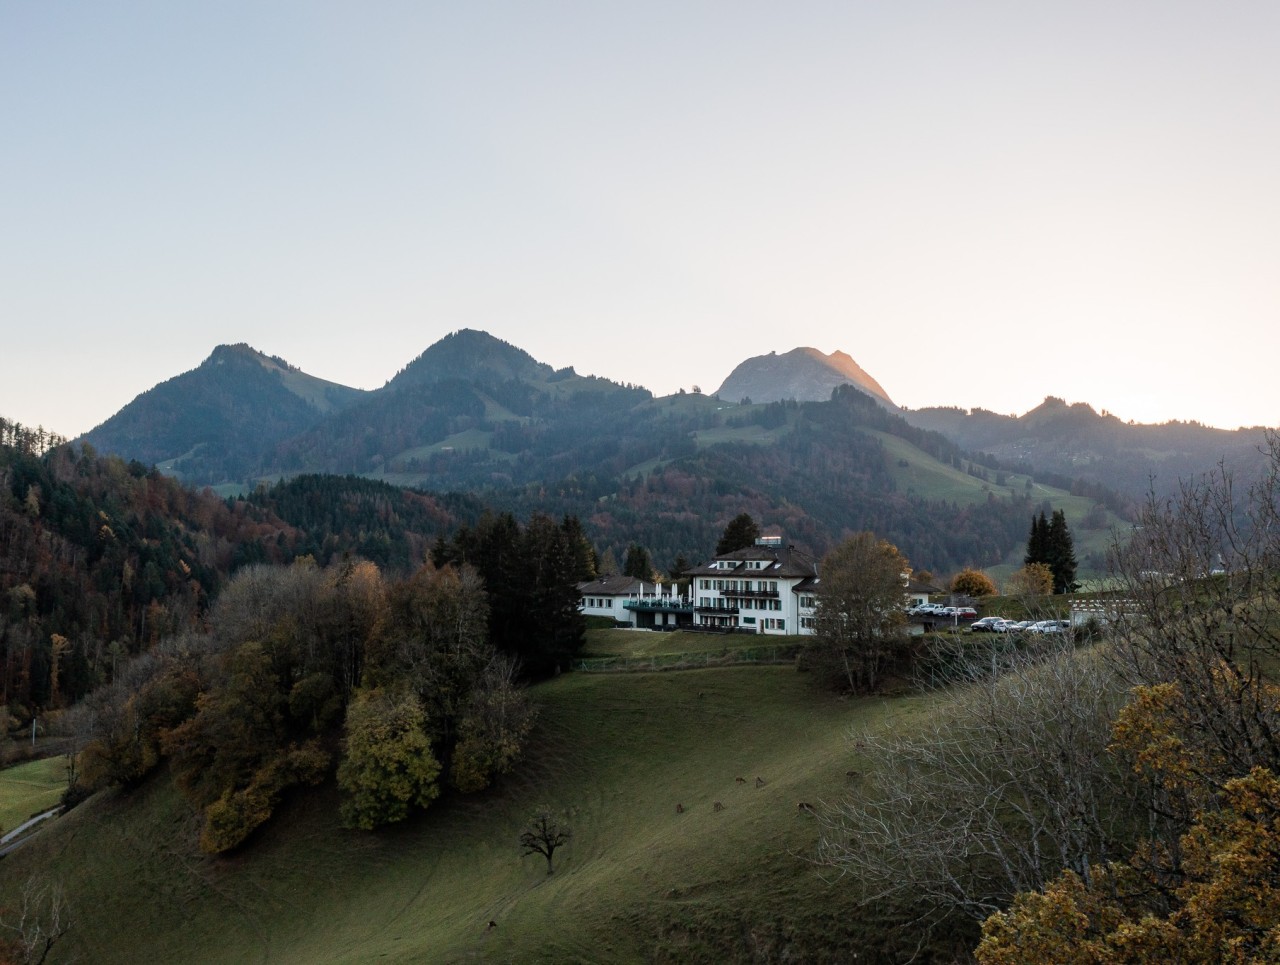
983	203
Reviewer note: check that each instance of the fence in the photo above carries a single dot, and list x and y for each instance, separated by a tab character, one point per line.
779	654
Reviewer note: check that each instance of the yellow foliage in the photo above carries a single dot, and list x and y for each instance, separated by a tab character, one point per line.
1227	908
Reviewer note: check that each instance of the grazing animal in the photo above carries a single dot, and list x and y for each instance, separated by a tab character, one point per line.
492	924
759	782
679	808
718	806
804	807
741	780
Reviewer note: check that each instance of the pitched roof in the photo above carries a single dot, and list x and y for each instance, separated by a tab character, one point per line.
782	561
615	585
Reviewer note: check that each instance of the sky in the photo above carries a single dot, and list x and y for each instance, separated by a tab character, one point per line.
983	203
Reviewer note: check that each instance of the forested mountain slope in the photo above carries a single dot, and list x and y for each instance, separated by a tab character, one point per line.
1077	442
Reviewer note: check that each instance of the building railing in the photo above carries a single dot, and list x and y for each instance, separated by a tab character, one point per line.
725	610
664	604
766	594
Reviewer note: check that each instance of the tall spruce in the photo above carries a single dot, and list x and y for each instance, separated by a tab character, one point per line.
1062	554
639	564
531	575
1050	543
1038	541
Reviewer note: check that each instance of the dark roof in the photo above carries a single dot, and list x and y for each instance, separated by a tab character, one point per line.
784	561
616	586
915	586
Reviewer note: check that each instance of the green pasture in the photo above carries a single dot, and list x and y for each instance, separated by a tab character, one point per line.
648	643
30	789
655	872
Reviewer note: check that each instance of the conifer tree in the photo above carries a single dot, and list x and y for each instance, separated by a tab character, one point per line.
741	533
638	563
1060	549
1037	541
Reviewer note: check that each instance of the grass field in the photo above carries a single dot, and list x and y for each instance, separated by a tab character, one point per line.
638	882
30	789
647	643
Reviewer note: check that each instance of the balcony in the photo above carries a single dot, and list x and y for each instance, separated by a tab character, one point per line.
757	594
660	604
722	610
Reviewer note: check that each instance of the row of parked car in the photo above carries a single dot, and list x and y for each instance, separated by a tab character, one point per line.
938	611
1001	625
954	614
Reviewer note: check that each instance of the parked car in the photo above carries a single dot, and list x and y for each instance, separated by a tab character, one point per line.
1050	626
987	625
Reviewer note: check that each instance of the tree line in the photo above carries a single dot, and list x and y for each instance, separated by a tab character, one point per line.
402	687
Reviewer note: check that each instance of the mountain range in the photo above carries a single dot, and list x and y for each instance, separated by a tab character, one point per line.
803	440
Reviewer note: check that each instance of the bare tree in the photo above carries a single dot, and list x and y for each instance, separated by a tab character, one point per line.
1002	790
1200	610
544	834
39	922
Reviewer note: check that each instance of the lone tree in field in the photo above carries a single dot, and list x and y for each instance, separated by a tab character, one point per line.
859	617
741	533
543	835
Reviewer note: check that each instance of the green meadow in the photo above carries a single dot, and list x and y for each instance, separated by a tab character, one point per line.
672	859
30	789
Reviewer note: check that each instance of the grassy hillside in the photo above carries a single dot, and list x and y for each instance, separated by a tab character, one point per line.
638	882
29	789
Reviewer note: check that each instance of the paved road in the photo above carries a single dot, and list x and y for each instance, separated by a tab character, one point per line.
14	838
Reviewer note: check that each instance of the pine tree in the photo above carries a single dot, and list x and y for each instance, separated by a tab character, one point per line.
1060	549
1038	541
741	533
638	563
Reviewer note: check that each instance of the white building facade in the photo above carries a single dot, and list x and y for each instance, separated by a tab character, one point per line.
767	588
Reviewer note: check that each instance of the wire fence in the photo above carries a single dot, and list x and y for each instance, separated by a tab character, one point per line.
695	660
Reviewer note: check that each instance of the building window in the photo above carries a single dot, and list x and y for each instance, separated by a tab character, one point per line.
806	623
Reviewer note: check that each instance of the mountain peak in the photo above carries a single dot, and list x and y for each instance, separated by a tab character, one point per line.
473	355
804	374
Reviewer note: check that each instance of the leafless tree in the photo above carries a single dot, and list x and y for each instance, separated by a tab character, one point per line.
999	792
1200	609
40	920
544	835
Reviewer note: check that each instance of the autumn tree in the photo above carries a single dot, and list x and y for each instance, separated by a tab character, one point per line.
1196	633
971	582
741	533
544	834
436	641
491	732
387	764
1034	579
859	618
